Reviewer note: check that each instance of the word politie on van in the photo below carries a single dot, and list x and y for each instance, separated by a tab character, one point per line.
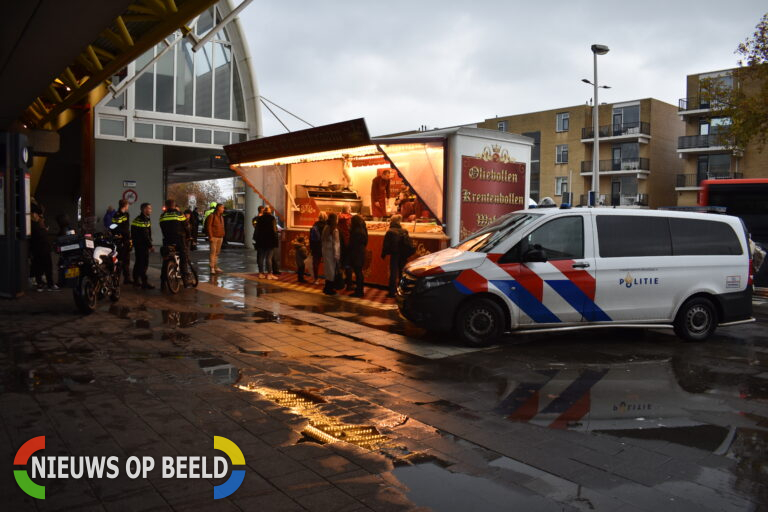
630	281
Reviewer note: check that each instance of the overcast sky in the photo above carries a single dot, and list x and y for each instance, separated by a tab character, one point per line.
401	64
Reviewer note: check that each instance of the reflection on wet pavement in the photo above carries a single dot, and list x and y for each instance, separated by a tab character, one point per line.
440	489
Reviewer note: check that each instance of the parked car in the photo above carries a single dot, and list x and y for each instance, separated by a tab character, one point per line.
585	267
233	226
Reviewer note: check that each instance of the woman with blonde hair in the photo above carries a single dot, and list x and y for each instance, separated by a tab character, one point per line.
331	253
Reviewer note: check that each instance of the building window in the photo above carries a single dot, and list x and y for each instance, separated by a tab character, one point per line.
502	126
563	121
114	127
561	154
561	185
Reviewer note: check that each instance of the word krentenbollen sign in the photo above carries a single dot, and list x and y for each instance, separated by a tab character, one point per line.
492	185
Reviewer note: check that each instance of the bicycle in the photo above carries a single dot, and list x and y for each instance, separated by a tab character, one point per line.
170	276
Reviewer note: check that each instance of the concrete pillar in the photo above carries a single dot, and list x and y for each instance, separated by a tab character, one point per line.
252	203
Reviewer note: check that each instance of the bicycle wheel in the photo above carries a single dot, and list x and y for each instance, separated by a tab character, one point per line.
172	279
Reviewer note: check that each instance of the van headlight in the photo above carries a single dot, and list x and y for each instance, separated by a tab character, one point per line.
431	282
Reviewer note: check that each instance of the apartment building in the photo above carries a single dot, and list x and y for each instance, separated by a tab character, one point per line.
638	165
702	150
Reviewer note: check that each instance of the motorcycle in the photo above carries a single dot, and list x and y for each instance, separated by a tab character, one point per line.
89	265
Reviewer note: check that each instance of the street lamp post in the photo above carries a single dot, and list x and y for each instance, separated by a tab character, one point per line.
597	49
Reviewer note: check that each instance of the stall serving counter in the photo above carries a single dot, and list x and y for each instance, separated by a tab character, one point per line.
444	193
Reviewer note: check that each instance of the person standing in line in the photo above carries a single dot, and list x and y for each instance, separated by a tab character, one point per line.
397	245
301	253
40	252
266	242
276	251
254	223
358	241
331	253
316	244
345	218
380	195
194	225
123	230
108	216
214	228
141	235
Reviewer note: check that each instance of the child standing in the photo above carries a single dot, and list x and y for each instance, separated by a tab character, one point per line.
300	248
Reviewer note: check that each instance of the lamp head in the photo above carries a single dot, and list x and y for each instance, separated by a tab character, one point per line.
586	81
599	49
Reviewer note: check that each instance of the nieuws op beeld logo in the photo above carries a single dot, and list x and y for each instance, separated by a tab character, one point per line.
76	467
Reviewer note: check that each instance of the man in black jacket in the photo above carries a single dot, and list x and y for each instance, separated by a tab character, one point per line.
123	230
398	246
173	224
141	234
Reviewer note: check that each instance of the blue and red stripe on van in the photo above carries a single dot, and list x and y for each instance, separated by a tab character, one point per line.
526	289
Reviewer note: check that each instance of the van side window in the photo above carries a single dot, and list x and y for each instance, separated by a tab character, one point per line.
621	236
560	239
691	237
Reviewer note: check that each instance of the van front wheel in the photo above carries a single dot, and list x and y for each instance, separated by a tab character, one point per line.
480	322
696	320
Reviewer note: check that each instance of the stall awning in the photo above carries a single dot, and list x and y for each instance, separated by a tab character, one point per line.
420	161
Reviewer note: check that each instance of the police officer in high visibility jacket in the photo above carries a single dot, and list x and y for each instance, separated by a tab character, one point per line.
123	231
173	224
141	235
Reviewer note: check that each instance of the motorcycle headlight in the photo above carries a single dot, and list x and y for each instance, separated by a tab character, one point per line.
432	282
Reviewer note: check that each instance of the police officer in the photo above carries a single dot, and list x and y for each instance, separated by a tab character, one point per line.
173	224
141	235
209	211
123	230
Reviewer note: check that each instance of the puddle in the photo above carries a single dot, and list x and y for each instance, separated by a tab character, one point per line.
42	380
221	371
322	428
433	486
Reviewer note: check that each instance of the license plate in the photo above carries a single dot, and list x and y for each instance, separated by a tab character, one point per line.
72	272
89	244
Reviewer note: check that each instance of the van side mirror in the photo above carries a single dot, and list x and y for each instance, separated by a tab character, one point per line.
535	255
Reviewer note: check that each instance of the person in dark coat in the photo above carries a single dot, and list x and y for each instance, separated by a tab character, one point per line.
316	244
358	241
141	235
266	242
40	251
397	245
301	253
255	224
123	230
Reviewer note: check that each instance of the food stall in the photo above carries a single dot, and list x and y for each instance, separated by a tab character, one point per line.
447	183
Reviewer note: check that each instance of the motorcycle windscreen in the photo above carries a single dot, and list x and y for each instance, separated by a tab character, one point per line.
421	165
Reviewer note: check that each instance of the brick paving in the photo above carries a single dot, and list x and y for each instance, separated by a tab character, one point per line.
156	375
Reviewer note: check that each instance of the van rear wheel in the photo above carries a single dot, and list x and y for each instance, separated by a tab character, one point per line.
696	320
480	322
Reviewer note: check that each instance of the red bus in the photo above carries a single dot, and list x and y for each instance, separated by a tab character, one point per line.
748	200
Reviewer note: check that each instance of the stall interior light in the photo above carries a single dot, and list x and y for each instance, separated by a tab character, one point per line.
316	157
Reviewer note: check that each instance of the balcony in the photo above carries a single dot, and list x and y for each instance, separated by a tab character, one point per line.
701	143
619	200
619	166
618	130
692	180
693	103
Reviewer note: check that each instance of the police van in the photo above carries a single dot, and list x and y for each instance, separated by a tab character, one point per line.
544	269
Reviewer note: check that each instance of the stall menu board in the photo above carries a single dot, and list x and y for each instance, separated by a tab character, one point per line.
492	185
308	212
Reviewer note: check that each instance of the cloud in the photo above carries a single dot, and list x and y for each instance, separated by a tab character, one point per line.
403	64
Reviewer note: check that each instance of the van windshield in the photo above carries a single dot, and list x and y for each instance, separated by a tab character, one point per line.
487	238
